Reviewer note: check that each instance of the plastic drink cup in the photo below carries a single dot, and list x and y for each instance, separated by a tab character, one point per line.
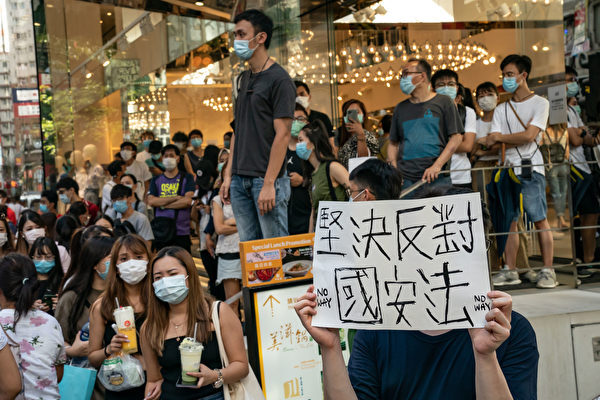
191	354
125	319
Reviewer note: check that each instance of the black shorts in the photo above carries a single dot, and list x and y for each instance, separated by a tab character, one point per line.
589	203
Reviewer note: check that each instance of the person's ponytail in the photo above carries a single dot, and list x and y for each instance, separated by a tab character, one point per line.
18	283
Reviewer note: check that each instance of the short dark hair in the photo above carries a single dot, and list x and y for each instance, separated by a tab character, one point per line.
77	209
155	147
51	196
195	132
119	191
386	123
179	137
423	65
147	133
522	62
132	176
3	193
302	84
443	73
259	21
298	107
128	144
486	86
67	183
169	147
228	134
115	167
570	70
379	177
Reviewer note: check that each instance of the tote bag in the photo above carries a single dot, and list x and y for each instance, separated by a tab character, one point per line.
77	383
247	388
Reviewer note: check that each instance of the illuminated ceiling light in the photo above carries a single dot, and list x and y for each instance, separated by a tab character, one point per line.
109	13
377	57
486	62
359	93
339	98
37	24
391	57
399	47
101	21
357	51
371	48
492	59
546	48
199	3
386	47
344	52
151	107
535	47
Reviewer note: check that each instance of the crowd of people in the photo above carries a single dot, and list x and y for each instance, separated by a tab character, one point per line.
130	244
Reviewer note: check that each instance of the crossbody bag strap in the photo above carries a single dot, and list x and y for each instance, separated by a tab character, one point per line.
217	324
522	124
179	192
329	183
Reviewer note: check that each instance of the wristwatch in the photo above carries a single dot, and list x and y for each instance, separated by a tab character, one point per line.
219	382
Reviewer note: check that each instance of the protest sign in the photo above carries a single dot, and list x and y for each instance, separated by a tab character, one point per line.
402	264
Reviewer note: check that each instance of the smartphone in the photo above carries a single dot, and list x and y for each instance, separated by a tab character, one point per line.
526	169
181	384
352	115
47	299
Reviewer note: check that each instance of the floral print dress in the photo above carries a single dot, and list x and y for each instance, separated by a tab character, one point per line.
42	349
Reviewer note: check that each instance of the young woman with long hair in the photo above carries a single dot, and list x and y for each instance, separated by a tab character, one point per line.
176	304
354	139
7	239
322	172
37	333
46	259
126	278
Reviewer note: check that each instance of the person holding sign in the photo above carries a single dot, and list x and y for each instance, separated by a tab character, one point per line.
426	128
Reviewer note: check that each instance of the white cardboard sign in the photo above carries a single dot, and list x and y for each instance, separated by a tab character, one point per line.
401	264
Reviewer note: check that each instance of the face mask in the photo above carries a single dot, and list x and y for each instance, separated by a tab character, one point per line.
129	186
33	234
171	289
196	142
302	151
447	91
156	157
577	108
488	103
572	89
406	84
380	132
43	266
146	144
104	274
170	164
133	271
297	127
64	198
303	101
43	208
181	145
3	238
510	84
353	199
227	143
120	206
126	155
242	48
220	166
360	119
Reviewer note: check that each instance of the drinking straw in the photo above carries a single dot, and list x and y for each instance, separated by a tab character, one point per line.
117	300
195	330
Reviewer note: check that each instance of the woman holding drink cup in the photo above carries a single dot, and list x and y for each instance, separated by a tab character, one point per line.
178	333
125	283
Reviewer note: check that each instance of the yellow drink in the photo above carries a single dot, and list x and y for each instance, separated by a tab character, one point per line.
125	319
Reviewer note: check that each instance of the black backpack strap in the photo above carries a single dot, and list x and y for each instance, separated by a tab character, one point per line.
179	192
329	183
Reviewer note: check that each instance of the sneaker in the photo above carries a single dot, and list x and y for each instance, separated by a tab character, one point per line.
546	279
584	272
531	276
506	277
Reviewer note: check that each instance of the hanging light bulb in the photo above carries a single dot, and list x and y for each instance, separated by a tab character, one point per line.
391	57
379	72
386	47
371	48
344	52
377	58
399	46
363	58
357	51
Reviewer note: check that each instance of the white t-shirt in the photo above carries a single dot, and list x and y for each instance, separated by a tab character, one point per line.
576	154
143	156
106	202
227	243
461	160
65	257
483	129
533	111
142	173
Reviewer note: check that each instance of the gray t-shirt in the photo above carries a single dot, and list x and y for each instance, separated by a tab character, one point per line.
141	224
262	98
422	131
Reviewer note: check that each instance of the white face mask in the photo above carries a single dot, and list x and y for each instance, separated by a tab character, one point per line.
170	163
488	103
33	234
126	155
181	145
3	238
303	101
133	271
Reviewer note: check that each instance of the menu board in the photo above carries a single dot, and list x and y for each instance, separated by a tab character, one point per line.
281	336
277	260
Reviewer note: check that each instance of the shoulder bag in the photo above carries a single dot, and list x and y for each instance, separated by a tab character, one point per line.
15	349
247	388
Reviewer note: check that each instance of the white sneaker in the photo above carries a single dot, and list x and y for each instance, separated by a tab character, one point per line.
506	277
546	279
531	276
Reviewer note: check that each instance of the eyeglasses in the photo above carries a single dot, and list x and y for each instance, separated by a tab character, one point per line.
301	119
351	193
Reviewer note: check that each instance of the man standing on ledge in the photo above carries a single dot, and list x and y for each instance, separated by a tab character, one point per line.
426	128
254	181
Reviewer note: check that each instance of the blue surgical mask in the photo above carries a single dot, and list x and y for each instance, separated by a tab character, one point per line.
406	84
120	206
227	143
104	274
242	48
64	198
44	266
220	166
297	127
577	108
146	144
302	151
509	83
449	91
43	208
196	142
171	289
572	89
156	157
360	119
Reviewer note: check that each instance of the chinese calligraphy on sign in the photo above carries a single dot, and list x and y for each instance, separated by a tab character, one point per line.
405	264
